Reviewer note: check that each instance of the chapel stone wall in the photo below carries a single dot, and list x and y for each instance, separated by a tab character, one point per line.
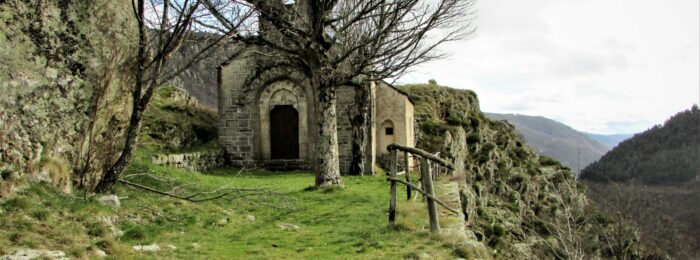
236	120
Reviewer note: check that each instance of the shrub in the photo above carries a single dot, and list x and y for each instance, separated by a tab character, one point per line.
548	161
97	229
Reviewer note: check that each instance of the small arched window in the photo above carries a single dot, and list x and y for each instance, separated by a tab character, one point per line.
388	127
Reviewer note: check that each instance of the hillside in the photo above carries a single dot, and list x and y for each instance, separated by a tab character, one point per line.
550	138
516	202
665	154
609	140
653	181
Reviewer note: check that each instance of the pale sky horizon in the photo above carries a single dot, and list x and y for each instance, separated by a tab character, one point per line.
599	66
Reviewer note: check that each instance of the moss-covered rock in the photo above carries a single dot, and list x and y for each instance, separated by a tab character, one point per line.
174	122
64	71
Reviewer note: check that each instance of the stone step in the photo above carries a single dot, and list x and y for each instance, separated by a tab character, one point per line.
285	165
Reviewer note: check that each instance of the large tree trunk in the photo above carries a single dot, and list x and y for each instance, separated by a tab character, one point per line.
359	122
327	168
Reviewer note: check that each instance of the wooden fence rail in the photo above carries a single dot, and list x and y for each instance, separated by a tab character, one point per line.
424	193
426	182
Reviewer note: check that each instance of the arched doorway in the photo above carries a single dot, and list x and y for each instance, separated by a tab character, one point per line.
284	132
282	93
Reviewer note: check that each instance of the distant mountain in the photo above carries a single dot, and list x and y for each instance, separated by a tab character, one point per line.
665	154
609	140
550	138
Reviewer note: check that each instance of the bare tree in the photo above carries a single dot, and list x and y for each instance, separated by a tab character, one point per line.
348	43
163	27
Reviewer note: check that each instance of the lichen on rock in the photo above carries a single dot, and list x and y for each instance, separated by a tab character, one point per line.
64	71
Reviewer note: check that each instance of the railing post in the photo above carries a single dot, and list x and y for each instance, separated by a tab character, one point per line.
436	170
392	201
428	188
408	176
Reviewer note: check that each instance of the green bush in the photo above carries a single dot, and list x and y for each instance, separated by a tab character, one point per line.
548	161
473	138
456	121
498	230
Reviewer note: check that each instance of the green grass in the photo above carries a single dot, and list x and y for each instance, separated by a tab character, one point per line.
340	223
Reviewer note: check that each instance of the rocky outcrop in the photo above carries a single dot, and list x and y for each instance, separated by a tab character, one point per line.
515	203
173	122
62	80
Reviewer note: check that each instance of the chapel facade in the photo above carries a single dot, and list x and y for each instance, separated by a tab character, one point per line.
271	122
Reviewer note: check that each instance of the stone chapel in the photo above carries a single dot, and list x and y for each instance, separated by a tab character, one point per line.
271	123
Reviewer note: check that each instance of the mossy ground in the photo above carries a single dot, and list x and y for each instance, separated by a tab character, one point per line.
341	223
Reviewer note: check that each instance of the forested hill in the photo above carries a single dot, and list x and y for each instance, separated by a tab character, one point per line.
665	154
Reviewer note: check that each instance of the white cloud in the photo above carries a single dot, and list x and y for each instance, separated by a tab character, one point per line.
603	66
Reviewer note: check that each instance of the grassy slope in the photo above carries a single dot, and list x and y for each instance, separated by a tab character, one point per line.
335	224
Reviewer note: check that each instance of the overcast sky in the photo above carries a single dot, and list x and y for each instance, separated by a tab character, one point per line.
601	66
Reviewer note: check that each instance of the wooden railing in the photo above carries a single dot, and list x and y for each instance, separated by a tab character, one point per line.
426	182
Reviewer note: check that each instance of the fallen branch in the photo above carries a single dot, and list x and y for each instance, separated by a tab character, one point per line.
191	198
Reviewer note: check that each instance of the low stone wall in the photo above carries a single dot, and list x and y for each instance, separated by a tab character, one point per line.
196	161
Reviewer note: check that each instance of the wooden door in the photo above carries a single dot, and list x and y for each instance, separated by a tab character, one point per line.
284	132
